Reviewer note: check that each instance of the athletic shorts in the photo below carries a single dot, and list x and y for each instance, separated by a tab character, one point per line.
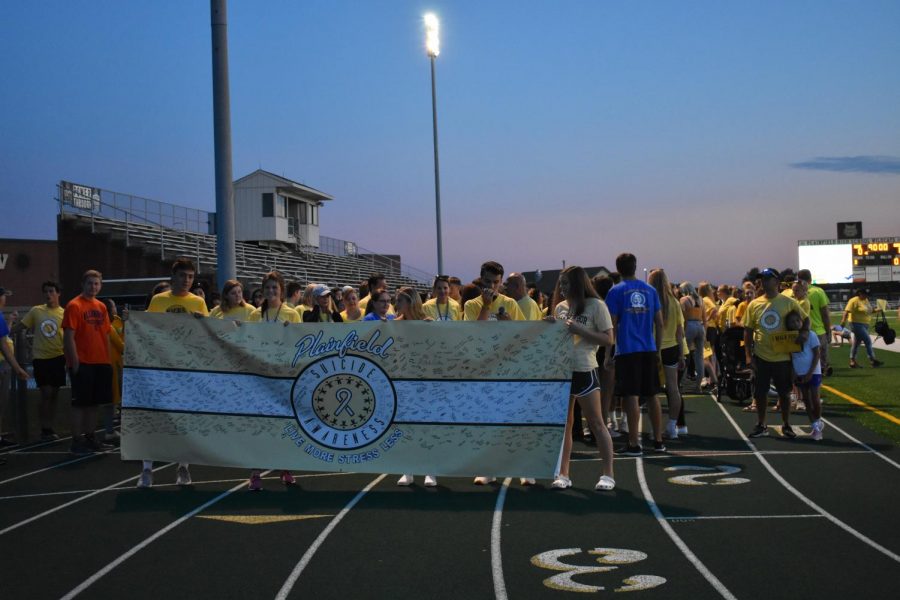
584	382
637	374
778	373
91	385
50	371
670	356
813	384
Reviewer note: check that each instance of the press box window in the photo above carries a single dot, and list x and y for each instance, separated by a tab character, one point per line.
268	205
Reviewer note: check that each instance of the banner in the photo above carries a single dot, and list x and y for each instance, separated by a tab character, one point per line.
79	196
455	399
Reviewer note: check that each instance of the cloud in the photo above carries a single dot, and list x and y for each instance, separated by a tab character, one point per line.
852	164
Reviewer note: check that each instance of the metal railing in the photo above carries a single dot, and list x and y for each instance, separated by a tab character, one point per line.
338	247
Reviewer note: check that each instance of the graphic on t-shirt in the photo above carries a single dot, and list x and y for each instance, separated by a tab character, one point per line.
638	301
49	328
176	309
770	320
94	317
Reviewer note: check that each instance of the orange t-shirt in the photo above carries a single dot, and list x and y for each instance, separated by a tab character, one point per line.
90	322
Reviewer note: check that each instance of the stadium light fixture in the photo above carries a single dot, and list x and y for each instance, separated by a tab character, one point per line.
432	38
433	46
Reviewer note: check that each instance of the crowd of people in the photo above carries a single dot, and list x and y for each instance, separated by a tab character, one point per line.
635	342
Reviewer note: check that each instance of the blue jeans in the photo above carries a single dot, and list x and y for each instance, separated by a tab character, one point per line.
861	335
694	333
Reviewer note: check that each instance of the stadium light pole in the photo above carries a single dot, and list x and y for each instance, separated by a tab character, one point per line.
225	259
433	47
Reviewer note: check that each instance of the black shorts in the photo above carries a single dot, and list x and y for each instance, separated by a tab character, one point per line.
670	356
91	385
637	374
779	373
712	336
584	382
50	371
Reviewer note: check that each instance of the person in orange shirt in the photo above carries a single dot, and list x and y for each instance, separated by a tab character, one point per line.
86	329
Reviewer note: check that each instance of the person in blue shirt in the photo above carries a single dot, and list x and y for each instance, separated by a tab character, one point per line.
382	303
637	320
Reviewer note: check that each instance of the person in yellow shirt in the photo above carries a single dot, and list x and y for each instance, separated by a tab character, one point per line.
179	298
455	288
671	348
765	331
116	352
45	323
442	307
517	289
726	308
491	305
232	307
857	312
711	313
352	312
293	293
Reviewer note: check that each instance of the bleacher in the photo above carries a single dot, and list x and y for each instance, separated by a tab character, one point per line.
252	260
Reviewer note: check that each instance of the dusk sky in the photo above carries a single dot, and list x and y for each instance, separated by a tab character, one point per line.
705	137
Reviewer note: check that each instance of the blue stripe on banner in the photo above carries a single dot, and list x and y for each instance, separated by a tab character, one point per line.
425	401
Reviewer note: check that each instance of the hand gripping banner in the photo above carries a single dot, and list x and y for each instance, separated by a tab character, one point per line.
455	399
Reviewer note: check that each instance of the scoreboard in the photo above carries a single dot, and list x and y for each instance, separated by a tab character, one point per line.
868	260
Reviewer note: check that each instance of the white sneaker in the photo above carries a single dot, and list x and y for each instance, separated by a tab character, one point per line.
817	428
561	483
682	430
405	480
146	479
526	481
184	476
430	481
483	480
671	432
605	484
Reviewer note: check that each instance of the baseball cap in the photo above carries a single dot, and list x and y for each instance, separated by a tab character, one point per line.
321	290
770	272
5	292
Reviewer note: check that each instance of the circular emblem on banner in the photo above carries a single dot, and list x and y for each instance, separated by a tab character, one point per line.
770	320
344	403
49	328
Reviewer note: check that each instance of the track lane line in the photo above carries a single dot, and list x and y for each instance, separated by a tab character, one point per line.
75	501
317	543
861	443
135	549
858	535
496	554
58	465
688	554
739	517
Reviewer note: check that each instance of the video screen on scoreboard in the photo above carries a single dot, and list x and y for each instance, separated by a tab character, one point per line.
828	263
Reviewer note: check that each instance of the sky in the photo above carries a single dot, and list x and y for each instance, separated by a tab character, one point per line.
705	137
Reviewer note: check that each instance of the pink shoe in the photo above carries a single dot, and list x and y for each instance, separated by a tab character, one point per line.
287	478
255	482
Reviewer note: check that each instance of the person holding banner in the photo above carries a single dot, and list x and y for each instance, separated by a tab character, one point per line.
233	307
587	319
442	307
765	331
381	307
323	310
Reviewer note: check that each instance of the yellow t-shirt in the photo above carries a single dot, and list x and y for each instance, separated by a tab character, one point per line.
739	313
45	324
725	317
282	314
165	302
772	341
530	308
804	304
236	313
444	312
347	319
510	306
709	307
859	310
674	318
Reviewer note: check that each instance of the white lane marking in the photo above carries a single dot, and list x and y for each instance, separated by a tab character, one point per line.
75	501
162	485
714	517
496	555
135	549
660	518
56	466
724	453
866	540
861	443
21	449
311	551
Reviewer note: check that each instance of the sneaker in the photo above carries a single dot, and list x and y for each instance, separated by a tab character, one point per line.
48	435
876	363
527	481
430	481
788	432
682	430
146	479
184	476
405	480
256	483
561	483
671	432
659	447
482	480
816	433
759	431
630	451
287	478
605	484
614	434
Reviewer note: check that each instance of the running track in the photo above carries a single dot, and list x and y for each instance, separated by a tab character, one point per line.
774	517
